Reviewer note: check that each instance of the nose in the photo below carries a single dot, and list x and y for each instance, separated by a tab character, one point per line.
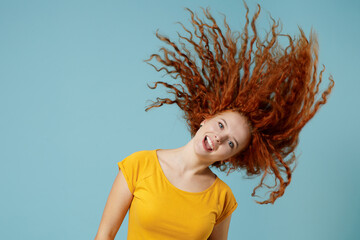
219	138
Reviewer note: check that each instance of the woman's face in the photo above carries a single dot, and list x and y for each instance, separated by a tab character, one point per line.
222	136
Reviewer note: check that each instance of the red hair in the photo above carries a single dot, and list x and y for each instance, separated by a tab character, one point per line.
275	88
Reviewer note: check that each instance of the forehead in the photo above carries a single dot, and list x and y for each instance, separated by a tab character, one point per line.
233	117
236	122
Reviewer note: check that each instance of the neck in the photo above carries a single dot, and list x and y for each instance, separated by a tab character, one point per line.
188	162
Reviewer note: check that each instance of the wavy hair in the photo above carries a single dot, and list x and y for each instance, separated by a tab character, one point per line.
276	88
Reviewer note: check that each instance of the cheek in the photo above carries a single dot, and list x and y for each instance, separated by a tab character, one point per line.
233	152
226	152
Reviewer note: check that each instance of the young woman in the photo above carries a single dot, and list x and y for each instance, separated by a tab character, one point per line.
245	101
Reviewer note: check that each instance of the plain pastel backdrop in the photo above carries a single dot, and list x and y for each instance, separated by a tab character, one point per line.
73	89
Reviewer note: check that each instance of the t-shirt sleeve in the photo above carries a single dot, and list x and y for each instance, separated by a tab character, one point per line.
229	206
130	168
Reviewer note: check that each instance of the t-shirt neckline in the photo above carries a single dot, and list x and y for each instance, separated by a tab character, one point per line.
176	188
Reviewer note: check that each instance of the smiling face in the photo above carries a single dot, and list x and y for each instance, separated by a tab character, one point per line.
222	136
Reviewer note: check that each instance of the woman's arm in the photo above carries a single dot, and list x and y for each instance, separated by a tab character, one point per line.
220	231
116	207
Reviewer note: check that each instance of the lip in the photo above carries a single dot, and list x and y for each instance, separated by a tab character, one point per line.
204	146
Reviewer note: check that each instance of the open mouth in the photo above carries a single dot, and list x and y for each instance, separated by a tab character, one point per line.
208	145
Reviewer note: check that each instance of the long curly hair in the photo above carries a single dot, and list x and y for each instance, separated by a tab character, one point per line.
276	88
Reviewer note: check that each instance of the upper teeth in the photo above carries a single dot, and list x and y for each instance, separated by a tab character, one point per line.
210	142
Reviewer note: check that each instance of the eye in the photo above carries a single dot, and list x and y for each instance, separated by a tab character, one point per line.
221	125
231	144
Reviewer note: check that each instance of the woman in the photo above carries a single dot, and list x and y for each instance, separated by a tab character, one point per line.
245	106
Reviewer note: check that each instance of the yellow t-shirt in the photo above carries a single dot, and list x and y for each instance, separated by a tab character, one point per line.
161	211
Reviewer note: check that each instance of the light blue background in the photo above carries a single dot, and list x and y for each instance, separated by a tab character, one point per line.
72	98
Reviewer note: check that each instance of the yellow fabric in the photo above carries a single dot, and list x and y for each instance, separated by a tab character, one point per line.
161	211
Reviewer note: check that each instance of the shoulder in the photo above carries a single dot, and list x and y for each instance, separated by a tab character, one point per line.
142	153
227	201
140	156
223	187
224	193
139	160
137	166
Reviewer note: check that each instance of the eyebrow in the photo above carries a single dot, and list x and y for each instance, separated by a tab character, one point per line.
237	144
